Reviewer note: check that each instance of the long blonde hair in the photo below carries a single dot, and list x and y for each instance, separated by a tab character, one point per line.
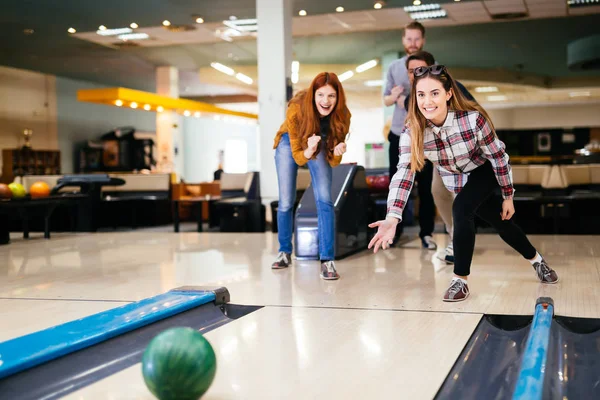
417	122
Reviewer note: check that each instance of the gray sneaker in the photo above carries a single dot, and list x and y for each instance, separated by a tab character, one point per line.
328	271
283	260
544	272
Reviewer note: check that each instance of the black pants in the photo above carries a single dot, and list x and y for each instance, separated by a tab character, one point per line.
423	178
481	197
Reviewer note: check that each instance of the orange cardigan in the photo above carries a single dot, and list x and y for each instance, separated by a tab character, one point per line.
290	126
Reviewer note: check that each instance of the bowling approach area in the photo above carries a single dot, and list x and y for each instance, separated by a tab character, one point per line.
88	316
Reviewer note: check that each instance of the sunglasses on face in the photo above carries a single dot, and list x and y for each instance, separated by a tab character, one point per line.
433	70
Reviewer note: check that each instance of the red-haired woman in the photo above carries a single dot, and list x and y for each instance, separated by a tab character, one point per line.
313	134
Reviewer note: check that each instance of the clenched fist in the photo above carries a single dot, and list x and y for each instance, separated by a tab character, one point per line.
339	149
313	142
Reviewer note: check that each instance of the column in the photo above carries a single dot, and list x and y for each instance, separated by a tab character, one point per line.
169	125
274	47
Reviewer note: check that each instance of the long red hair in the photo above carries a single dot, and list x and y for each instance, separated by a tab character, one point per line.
339	122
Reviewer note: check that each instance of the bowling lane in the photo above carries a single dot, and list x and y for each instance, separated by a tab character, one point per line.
302	353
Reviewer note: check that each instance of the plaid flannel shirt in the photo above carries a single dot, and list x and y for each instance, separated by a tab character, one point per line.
463	143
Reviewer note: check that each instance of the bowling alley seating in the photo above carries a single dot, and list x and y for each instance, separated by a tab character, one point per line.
302	183
240	208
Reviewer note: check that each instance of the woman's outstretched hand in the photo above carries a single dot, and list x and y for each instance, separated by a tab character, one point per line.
385	234
508	209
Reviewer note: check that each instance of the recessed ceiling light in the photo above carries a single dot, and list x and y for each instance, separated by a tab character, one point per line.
187	113
377	6
417	2
102	28
340	9
166	23
28	31
147	107
199	20
133	105
244	78
497	98
160	109
232	18
374	83
486	89
119	103
346	75
71	30
197	114
366	66
223	68
133	25
302	13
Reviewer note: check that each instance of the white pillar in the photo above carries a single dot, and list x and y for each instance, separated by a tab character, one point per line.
274	47
169	125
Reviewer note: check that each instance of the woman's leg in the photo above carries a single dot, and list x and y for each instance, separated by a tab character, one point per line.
443	199
321	175
426	206
287	171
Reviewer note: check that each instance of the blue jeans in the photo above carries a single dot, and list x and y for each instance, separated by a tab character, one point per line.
320	174
287	172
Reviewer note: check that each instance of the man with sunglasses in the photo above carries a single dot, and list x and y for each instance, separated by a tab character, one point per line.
396	91
431	187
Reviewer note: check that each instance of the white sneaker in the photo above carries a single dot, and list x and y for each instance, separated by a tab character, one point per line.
428	243
447	255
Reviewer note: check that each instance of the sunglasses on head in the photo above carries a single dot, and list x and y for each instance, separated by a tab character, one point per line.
433	70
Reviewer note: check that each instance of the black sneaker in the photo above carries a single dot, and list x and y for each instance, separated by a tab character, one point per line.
544	272
283	260
328	271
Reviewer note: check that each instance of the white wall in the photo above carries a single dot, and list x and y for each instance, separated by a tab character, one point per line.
203	138
27	100
366	126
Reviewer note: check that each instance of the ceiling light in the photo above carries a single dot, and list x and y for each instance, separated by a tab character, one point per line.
242	25
160	109
417	2
197	114
147	107
71	30
166	23
424	7
134	36
246	79
582	3
113	32
302	13
346	75
232	18
199	20
102	28
497	98
119	103
374	83
295	66
486	89
429	14
187	113
377	5
133	25
223	68
340	9
133	105
28	31
579	94
366	66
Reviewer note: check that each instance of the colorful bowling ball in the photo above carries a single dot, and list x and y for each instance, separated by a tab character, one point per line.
39	189
5	192
179	363
18	191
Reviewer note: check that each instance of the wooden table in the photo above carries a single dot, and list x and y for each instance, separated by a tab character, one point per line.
196	202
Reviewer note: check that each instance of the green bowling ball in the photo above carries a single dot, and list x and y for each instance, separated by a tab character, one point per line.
179	363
